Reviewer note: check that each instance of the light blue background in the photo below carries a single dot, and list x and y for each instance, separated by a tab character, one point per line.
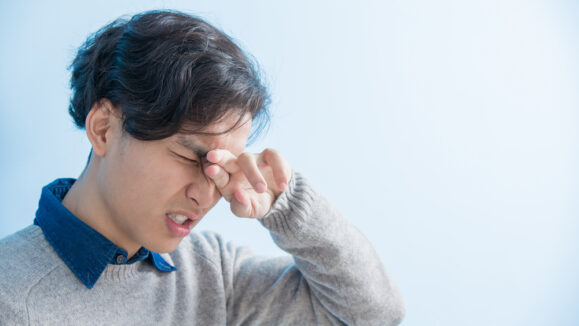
445	130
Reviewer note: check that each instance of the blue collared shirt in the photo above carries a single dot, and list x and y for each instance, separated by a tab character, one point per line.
86	252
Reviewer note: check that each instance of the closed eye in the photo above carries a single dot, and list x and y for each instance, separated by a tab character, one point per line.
188	160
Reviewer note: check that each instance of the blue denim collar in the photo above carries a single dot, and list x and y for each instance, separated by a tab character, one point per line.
86	252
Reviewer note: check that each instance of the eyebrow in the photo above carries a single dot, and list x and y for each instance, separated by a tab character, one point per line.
199	150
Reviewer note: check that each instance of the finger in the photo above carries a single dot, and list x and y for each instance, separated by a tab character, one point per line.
241	204
219	176
279	166
248	164
225	159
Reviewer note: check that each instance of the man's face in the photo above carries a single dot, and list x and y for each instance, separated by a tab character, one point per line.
149	187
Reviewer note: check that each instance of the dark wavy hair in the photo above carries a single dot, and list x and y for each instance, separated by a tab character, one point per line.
167	72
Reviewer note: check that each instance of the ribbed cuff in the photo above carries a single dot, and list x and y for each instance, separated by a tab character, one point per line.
291	210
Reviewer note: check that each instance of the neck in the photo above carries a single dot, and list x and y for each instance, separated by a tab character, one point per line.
84	201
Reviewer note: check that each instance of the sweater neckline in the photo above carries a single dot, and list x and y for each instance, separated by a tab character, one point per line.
119	273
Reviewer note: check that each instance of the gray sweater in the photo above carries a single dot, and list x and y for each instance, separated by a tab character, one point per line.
333	276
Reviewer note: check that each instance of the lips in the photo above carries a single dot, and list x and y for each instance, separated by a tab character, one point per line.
181	223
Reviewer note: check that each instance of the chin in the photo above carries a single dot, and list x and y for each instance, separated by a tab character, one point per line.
165	248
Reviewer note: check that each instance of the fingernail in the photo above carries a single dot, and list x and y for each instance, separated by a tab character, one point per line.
282	186
260	187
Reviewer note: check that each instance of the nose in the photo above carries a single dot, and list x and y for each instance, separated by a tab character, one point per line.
203	192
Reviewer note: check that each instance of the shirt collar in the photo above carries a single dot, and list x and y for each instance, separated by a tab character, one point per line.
86	252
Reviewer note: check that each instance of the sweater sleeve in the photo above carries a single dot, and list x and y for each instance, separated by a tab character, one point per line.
334	276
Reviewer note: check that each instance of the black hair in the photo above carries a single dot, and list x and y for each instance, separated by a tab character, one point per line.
167	72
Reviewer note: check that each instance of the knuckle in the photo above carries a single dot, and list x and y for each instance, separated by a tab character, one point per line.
269	152
243	156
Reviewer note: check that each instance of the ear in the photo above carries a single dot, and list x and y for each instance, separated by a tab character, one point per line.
100	126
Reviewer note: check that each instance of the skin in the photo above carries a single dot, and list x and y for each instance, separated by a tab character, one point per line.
129	186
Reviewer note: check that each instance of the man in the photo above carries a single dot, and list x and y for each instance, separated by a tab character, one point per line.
168	103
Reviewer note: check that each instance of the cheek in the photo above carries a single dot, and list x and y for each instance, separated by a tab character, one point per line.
140	181
145	183
160	179
163	182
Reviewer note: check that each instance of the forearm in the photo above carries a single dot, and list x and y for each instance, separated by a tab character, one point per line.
338	263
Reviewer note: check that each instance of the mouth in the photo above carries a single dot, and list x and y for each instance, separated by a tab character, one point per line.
181	223
178	218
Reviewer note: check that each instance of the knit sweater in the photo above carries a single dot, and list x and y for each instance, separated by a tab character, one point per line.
332	277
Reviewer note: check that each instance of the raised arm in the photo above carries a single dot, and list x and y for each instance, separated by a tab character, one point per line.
335	276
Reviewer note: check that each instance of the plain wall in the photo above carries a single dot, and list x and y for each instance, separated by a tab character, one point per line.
444	130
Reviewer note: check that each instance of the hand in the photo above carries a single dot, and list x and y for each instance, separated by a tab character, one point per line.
251	182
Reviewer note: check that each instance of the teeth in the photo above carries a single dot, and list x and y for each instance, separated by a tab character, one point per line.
178	218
